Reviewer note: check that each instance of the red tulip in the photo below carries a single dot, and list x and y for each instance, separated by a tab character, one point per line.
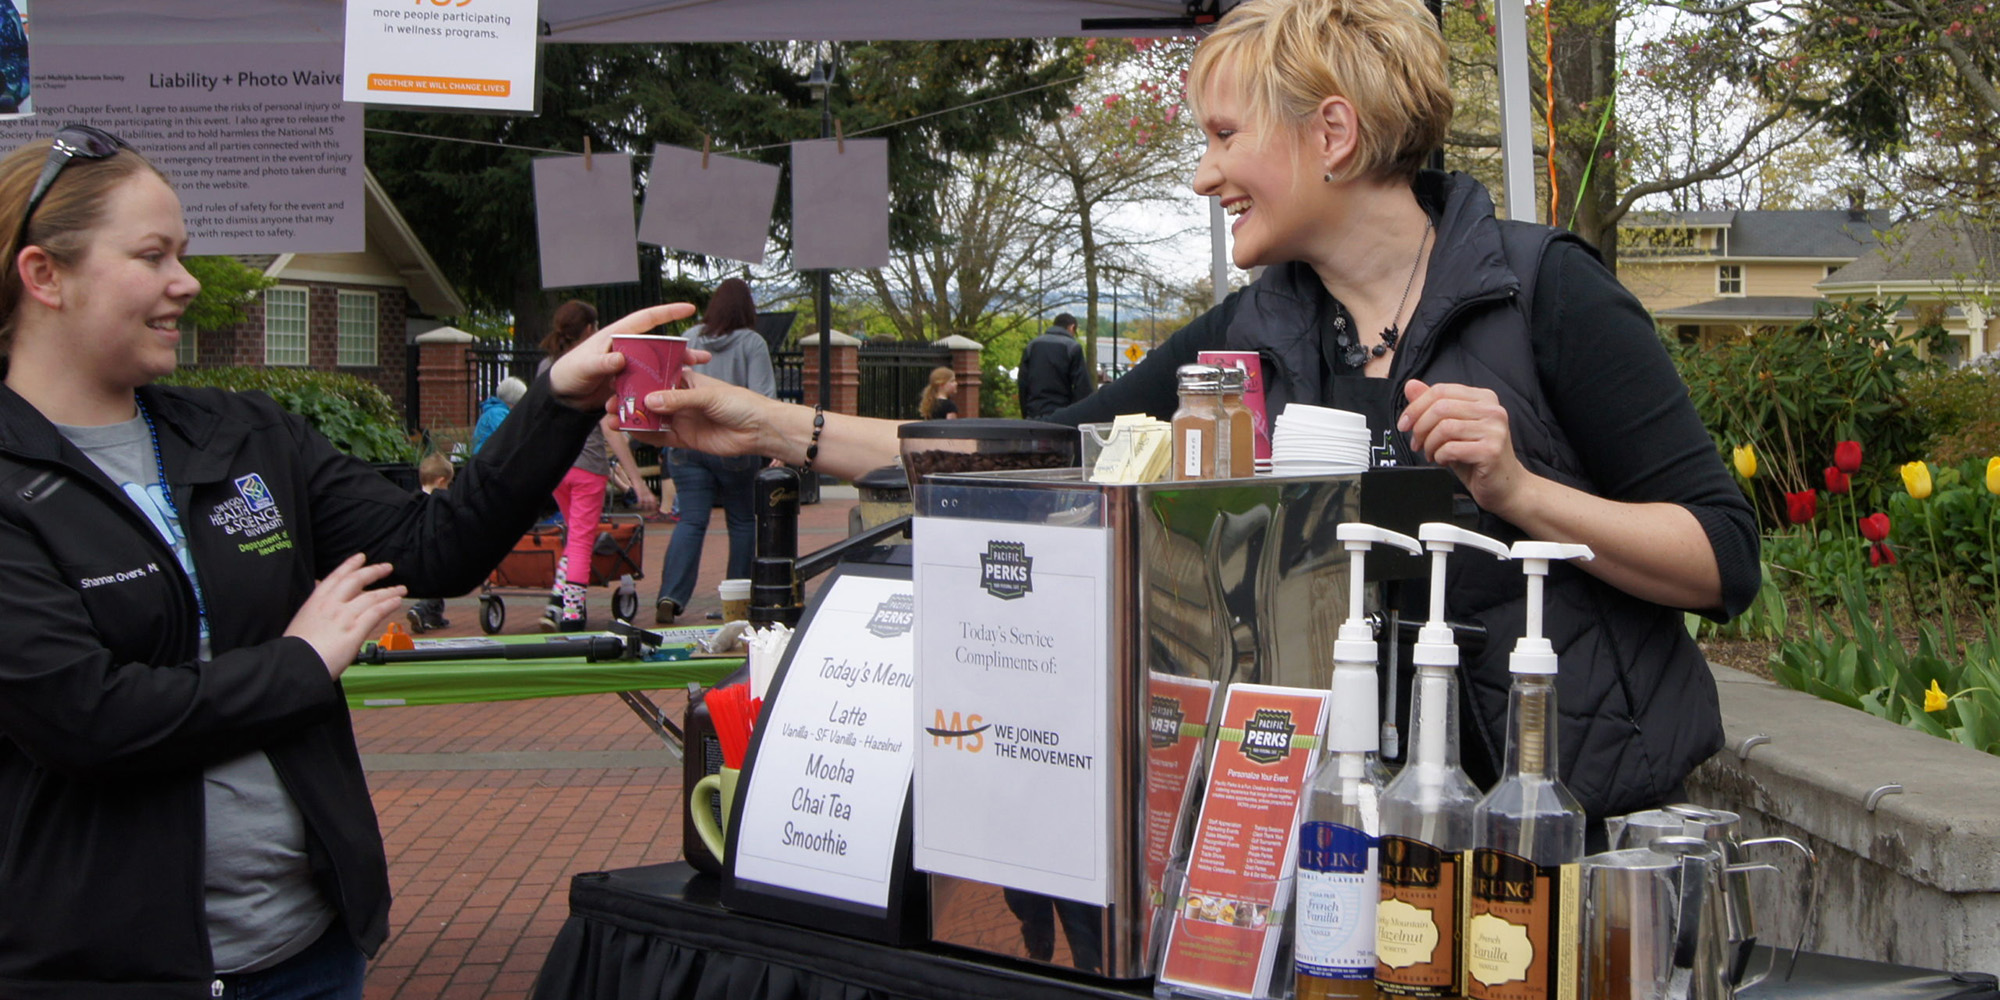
1880	554
1875	527
1847	456
1836	480
1802	506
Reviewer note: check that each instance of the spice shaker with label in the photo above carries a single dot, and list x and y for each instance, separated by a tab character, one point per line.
1201	428
1242	423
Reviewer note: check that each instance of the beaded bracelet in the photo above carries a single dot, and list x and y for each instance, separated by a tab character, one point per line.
812	447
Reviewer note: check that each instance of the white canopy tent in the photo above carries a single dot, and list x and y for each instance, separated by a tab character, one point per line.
169	22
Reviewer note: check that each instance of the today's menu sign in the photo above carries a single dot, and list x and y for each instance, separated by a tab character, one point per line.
1011	782
825	793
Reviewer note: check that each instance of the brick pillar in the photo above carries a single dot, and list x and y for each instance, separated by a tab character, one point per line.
846	372
965	364
444	379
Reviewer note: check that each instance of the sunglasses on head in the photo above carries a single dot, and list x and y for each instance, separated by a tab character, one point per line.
71	141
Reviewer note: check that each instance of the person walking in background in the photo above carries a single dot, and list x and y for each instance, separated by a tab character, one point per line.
433	474
580	495
493	409
936	402
189	573
1054	372
738	356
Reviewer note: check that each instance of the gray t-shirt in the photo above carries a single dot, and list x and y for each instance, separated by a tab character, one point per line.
262	906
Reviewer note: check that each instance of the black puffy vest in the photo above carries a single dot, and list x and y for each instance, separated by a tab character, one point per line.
1637	703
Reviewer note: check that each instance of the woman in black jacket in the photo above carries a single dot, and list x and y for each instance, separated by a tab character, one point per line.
1500	350
188	573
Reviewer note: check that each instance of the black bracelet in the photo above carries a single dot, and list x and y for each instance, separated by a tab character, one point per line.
812	447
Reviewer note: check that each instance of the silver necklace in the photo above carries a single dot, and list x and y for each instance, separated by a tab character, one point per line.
1356	355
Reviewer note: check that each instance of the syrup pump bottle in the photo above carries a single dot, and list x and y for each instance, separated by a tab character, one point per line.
1427	811
1524	935
1333	947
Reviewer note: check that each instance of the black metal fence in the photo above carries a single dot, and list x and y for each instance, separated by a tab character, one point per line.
493	362
790	368
893	376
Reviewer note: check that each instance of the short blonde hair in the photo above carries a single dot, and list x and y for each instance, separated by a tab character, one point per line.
1386	57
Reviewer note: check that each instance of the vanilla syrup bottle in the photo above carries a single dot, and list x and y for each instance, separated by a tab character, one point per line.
1333	940
1524	933
1427	812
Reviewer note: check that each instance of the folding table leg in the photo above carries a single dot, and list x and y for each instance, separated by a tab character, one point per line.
656	720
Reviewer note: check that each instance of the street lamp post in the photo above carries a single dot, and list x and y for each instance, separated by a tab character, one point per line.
820	83
1114	331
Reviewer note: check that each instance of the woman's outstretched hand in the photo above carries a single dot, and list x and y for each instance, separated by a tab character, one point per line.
343	613
582	377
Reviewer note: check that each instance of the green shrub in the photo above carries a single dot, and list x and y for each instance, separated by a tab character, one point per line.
1792	394
999	394
358	418
1959	410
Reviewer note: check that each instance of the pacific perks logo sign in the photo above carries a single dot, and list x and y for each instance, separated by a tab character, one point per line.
893	617
1267	736
1006	570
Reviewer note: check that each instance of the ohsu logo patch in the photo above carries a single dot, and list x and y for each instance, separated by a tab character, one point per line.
1267	736
893	617
254	493
1006	570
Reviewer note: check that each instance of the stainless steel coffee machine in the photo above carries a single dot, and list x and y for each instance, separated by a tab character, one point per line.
1210	583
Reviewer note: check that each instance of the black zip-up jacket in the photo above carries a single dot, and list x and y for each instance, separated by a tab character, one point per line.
1054	373
1594	402
107	719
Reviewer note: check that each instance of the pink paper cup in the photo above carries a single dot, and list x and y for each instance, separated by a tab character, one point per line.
652	363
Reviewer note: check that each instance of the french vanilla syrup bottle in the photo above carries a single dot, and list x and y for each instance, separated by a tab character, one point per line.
1427	812
1524	935
1333	939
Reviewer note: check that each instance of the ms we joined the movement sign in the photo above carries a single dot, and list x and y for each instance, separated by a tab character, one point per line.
1012	680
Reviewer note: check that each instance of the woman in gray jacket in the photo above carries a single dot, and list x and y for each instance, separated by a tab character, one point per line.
738	356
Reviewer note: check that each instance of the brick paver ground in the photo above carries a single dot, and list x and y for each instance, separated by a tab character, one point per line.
480	855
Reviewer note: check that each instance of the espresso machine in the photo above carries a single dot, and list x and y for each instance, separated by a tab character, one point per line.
1205	584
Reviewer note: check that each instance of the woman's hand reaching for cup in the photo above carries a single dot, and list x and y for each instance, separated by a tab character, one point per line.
343	613
1465	429
582	377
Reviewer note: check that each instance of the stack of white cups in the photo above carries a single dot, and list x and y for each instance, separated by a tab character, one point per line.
1318	441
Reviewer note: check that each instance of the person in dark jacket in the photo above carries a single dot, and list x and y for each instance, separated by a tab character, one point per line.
1502	351
183	811
1054	372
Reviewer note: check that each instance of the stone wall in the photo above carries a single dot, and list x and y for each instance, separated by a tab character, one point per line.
1914	882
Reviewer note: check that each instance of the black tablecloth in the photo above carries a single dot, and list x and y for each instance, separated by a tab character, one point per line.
658	932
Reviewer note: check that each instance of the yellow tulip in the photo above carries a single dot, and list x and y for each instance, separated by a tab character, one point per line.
1917	479
1935	699
1993	474
1746	461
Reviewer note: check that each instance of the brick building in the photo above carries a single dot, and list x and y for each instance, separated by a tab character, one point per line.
349	312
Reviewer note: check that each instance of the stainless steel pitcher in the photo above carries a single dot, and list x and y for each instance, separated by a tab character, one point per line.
1654	923
1722	828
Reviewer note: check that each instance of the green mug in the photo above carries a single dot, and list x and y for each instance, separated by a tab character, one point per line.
700	806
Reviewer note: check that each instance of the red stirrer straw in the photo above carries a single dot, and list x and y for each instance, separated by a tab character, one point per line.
732	712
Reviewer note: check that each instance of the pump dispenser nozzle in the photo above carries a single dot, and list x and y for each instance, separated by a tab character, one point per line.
1434	644
1533	654
1357	538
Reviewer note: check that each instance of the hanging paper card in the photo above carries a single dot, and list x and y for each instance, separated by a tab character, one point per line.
583	218
436	56
840	204
708	204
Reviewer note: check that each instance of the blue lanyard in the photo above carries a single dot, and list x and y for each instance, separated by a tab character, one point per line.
160	469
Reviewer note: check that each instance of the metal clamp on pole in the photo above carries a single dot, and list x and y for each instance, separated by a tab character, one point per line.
1875	797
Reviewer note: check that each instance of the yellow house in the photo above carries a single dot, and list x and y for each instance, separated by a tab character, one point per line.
1714	274
1949	271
